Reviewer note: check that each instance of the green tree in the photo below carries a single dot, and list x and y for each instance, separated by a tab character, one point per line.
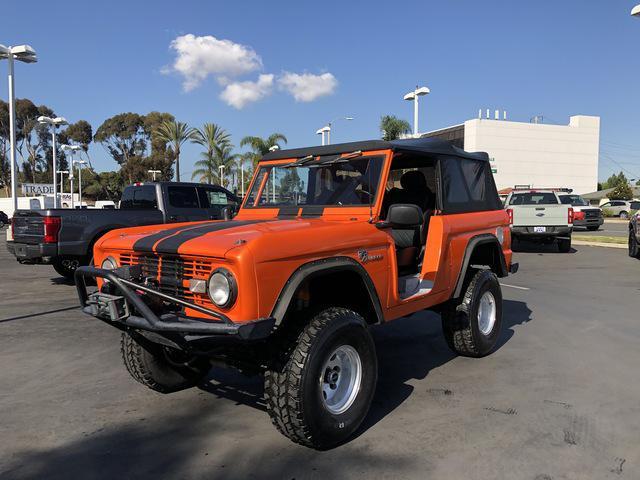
222	155
104	186
123	136
614	180
261	146
392	127
622	191
211	137
175	133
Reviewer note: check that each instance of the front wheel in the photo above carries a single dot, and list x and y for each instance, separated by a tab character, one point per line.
322	390
634	249
161	368
472	326
624	215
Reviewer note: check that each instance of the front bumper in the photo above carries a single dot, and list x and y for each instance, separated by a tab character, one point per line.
27	253
589	222
550	232
125	308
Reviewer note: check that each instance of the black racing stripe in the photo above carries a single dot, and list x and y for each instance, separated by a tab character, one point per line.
172	244
288	211
146	244
312	211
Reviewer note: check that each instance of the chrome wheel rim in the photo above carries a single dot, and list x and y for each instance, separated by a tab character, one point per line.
487	313
340	379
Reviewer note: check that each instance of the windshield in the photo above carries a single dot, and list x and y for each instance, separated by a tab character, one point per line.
533	198
574	200
319	182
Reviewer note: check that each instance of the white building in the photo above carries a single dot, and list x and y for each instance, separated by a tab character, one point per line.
536	154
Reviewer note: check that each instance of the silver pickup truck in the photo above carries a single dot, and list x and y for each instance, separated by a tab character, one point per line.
539	216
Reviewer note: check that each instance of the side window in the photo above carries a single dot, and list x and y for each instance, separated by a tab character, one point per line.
139	198
212	198
183	197
605	205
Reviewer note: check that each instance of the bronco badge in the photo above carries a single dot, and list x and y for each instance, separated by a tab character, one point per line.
365	257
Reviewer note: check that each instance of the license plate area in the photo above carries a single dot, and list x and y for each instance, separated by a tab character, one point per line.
539	229
111	307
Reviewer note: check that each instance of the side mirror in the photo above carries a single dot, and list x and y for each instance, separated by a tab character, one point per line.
229	212
404	215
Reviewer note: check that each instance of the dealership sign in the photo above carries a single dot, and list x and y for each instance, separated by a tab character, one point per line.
31	189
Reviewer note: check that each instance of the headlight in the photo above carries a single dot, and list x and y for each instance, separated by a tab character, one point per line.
222	288
109	263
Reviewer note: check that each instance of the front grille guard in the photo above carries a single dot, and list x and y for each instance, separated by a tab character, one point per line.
120	279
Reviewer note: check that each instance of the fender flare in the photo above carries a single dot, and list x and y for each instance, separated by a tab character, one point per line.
318	267
483	239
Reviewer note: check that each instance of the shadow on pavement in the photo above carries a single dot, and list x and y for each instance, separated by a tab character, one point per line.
524	246
29	315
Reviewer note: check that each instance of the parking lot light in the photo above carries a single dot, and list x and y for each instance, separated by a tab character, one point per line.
635	11
72	149
26	54
413	96
54	123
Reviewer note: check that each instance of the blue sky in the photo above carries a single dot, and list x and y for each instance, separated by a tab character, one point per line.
550	58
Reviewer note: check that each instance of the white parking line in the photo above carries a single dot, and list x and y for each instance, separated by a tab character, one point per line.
515	286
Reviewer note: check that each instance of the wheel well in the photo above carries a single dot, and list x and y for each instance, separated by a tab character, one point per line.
344	288
489	255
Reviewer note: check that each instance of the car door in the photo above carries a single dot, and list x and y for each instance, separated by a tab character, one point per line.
184	205
216	199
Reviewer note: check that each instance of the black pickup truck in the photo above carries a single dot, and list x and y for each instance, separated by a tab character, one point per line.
64	238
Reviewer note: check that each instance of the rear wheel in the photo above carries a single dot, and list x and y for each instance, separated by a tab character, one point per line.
472	326
66	266
564	245
624	215
321	391
161	368
634	249
593	228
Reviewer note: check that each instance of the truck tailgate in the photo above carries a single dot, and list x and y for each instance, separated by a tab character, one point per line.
28	227
542	215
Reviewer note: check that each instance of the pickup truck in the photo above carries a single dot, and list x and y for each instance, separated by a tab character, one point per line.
584	215
64	238
540	216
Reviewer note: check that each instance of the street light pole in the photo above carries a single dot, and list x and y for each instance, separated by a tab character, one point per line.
635	11
327	129
221	168
26	54
418	92
54	123
62	174
80	163
154	173
72	149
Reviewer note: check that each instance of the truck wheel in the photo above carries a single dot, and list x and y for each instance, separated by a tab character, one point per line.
624	215
634	249
472	326
66	266
161	368
321	391
564	245
593	228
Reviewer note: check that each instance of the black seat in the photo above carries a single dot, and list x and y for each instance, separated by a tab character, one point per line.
407	222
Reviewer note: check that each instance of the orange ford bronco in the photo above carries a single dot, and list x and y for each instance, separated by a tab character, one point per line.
328	242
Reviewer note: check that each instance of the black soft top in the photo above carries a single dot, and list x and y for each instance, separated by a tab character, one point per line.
431	146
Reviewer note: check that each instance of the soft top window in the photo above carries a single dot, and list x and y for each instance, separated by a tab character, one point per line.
467	186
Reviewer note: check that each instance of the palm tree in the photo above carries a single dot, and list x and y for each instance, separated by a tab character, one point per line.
175	133
392	127
211	136
261	146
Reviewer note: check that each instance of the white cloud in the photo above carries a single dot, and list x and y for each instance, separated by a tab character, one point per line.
200	57
239	94
307	87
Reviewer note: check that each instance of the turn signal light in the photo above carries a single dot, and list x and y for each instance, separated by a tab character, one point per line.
578	216
51	229
510	213
570	219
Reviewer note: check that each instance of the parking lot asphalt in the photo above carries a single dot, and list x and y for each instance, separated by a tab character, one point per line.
557	400
610	228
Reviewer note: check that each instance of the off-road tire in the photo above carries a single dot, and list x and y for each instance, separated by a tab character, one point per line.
293	383
564	245
160	368
460	319
634	248
593	228
66	266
